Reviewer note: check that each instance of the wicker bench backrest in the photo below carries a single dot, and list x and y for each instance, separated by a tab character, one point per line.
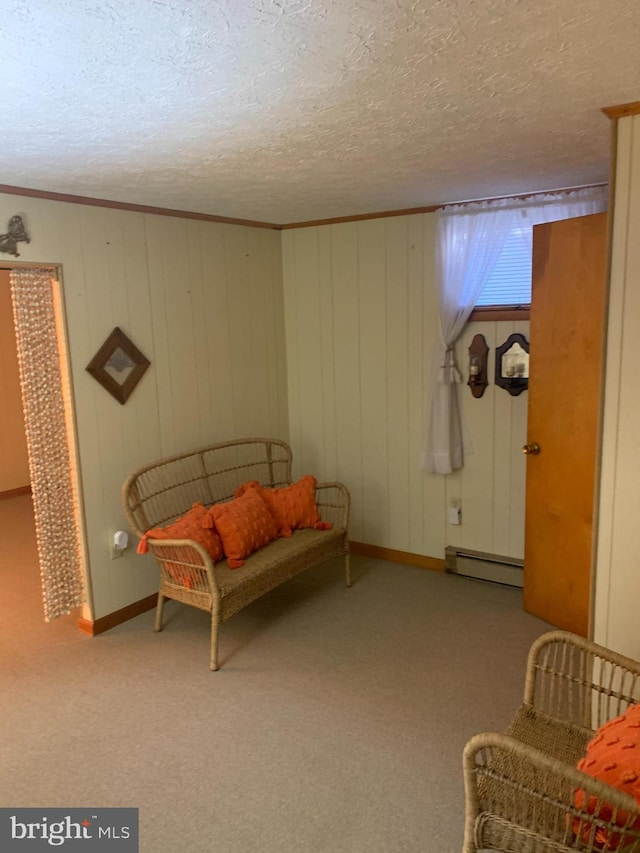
158	493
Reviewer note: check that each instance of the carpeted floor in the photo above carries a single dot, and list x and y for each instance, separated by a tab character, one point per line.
336	722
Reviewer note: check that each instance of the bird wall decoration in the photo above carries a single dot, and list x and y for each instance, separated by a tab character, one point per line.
16	234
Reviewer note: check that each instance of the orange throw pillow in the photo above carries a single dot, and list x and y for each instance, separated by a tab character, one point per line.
244	525
292	507
195	524
613	756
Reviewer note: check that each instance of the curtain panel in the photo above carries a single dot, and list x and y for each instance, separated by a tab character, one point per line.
469	241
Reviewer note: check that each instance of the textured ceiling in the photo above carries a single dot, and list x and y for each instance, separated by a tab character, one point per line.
294	110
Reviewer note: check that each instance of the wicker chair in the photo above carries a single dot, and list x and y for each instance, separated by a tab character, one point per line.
160	492
520	786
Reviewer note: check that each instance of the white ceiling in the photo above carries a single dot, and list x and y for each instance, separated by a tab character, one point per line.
294	110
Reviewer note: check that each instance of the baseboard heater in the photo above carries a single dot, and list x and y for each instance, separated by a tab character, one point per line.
488	567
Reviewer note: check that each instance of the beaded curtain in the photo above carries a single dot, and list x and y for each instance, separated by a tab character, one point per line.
47	442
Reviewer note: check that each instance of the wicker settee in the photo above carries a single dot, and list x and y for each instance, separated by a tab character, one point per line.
524	792
157	494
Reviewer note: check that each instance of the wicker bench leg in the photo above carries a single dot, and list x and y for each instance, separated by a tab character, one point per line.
347	568
215	631
159	609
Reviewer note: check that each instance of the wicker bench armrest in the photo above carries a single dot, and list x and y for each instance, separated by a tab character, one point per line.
579	681
184	562
334	501
510	784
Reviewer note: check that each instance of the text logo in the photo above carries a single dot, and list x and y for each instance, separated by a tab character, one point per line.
101	830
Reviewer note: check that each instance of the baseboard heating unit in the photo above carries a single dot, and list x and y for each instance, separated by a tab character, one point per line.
487	567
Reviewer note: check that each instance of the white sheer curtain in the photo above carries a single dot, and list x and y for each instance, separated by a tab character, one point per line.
469	241
549	207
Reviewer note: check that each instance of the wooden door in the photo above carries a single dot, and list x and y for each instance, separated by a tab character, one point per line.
565	376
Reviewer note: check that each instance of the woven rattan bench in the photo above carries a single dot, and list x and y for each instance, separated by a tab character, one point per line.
521	785
159	493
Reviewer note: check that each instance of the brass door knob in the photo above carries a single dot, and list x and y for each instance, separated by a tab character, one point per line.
531	449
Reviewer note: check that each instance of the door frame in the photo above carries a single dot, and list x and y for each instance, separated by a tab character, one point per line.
64	456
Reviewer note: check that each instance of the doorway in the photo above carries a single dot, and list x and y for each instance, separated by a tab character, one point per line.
40	332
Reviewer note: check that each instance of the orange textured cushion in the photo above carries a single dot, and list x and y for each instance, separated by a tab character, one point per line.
195	524
244	525
613	756
292	507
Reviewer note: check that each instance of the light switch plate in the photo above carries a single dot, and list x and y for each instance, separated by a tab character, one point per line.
453	515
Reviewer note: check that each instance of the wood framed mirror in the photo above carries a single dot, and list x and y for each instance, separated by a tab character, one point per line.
118	365
512	364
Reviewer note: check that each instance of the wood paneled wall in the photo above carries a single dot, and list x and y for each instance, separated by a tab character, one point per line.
361	323
491	486
204	302
617	579
14	463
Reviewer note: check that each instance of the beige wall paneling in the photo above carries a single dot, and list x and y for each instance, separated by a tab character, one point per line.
167	283
346	302
517	465
397	415
267	307
617	582
473	484
327	299
58	232
491	485
312	351
309	450
214	354
374	409
247	361
172	312
426	491
289	277
420	516
243	347
358	312
112	436
14	462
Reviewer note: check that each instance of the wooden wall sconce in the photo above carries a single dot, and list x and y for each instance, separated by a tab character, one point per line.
478	352
512	364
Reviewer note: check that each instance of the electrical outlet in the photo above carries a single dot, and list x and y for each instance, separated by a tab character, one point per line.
454	512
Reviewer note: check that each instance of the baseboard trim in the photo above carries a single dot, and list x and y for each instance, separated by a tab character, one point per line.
14	493
105	623
395	556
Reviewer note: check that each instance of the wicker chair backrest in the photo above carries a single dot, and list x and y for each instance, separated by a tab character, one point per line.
159	493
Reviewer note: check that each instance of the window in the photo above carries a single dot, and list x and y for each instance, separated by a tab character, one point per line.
510	281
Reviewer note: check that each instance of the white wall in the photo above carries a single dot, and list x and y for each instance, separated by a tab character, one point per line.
203	301
361	321
14	463
617	582
491	485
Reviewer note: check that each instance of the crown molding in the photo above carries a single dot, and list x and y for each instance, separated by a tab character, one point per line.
137	208
622	110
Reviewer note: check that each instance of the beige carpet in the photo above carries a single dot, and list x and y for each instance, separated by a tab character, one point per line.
336	723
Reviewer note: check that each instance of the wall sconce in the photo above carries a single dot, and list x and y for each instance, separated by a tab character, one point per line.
478	366
512	364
